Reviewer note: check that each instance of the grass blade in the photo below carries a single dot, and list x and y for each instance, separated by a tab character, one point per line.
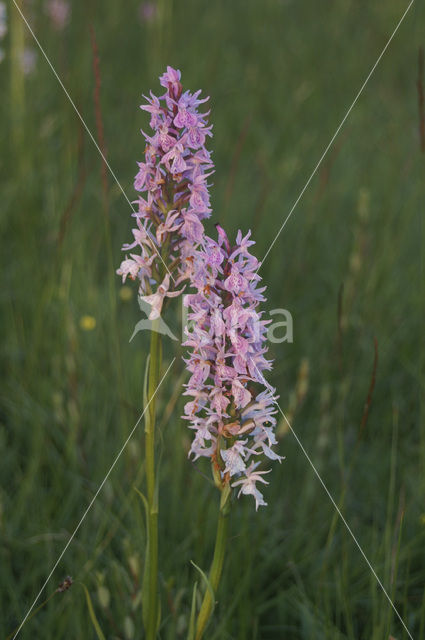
92	614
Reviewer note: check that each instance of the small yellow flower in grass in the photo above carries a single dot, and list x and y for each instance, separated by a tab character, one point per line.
126	293
87	323
422	519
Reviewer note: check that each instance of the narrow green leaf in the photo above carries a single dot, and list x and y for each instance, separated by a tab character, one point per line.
145	581
192	622
207	582
92	614
141	326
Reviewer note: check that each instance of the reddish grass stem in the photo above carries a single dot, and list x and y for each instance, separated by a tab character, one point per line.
370	392
98	114
77	192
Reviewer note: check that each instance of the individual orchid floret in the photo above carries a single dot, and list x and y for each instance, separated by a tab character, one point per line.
156	300
232	410
173	193
248	486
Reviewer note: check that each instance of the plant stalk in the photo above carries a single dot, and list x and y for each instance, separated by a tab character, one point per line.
152	494
214	574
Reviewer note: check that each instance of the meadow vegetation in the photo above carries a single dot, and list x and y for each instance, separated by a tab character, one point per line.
349	266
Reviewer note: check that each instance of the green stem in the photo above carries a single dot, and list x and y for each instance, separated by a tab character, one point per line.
154	370
214	575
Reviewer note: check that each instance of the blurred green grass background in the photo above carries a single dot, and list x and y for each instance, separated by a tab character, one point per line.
349	267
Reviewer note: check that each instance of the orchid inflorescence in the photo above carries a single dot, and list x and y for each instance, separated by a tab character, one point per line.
174	180
232	410
232	407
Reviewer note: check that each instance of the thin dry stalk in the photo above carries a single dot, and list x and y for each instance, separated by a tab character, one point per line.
421	99
370	392
98	115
